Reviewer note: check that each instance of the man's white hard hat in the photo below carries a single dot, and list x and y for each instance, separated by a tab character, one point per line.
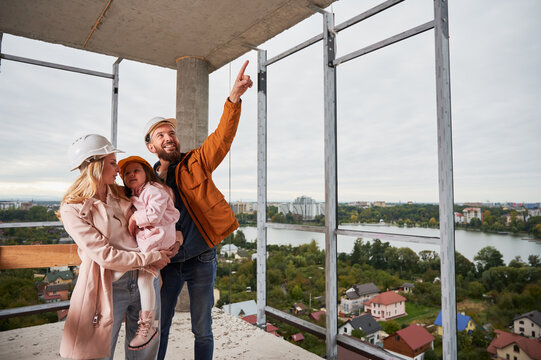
87	147
154	123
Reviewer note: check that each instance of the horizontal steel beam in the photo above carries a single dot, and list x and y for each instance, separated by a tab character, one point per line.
359	347
294	321
389	236
295	49
389	41
365	15
375	10
308	228
55	66
34	309
30	224
371	351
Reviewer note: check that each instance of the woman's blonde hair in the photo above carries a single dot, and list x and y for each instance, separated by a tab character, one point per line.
86	185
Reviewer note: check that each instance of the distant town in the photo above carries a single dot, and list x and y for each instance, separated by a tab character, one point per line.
306	209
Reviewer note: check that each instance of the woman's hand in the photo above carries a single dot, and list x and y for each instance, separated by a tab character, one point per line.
164	260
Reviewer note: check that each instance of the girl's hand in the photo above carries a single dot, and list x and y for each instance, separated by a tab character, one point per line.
132	225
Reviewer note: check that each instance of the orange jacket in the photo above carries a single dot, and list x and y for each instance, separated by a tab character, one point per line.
206	204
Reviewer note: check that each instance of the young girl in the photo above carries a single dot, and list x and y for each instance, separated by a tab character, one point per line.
153	223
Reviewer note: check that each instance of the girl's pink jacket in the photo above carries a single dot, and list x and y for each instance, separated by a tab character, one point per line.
88	224
156	215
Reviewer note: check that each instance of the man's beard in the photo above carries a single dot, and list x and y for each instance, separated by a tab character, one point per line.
168	156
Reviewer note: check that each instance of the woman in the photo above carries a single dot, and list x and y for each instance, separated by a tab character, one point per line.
94	212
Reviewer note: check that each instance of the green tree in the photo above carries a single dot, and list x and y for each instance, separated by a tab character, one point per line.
487	258
390	327
517	262
476	289
534	260
463	266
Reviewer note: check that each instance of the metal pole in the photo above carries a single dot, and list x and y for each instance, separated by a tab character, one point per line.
1	36
261	187
445	184
329	54
55	66
114	105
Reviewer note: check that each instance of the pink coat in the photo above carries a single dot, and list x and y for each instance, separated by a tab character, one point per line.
88	224
156	215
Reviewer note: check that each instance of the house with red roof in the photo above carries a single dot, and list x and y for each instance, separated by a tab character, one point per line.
297	337
410	342
272	329
385	306
318	315
512	346
252	319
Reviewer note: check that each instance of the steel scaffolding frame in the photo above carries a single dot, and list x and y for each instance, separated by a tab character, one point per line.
446	241
114	76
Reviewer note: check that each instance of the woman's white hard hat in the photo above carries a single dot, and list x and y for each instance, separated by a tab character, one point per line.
87	147
154	123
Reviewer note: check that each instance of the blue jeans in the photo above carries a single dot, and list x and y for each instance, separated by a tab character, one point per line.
126	303
199	272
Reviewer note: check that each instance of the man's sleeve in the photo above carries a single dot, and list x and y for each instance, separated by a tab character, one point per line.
217	144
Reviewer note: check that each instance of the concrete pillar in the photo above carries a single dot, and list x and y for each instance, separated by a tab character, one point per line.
192	119
192	101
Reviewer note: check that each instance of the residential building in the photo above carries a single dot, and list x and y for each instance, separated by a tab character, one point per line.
318	315
298	308
297	337
352	301
463	323
366	323
508	218
252	319
406	287
528	324
7	205
379	203
272	329
472	213
59	268
26	205
62	290
385	306
459	218
59	277
514	347
409	343
361	204
305	206
241	309
240	207
229	250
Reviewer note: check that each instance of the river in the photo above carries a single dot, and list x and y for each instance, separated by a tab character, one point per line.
468	243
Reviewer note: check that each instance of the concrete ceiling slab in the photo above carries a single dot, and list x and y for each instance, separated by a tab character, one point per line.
156	32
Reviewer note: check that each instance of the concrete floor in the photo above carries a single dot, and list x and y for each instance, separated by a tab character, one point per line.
233	339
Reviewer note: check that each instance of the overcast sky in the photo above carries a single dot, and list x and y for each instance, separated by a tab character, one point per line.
387	145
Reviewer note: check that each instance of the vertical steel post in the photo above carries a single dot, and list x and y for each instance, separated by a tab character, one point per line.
1	35
329	81
261	186
445	176
114	104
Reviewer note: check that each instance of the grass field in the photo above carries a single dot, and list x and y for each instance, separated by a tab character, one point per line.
418	314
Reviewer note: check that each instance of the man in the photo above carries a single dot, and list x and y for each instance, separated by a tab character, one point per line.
205	216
